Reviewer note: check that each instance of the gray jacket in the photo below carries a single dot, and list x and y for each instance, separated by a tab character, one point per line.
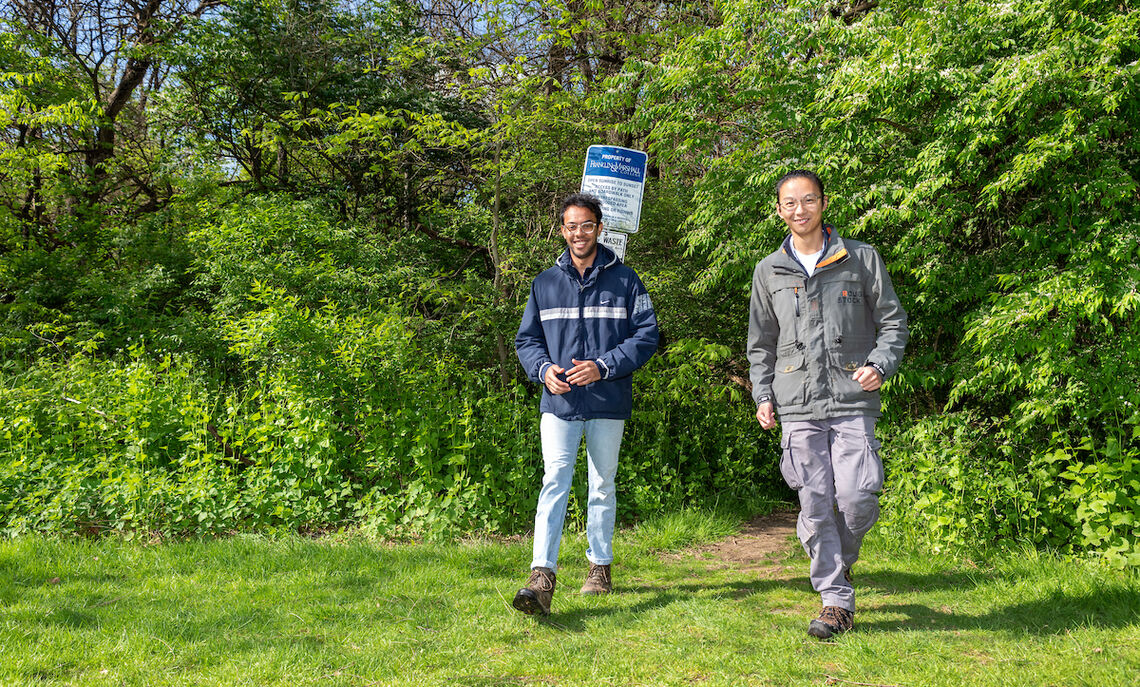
808	335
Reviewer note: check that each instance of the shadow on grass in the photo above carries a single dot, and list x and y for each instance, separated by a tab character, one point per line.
66	617
664	595
1055	613
412	588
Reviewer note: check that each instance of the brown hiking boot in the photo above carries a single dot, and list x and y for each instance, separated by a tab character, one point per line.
535	597
832	620
598	580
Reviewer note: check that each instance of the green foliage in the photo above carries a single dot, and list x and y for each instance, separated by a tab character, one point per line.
960	483
317	98
690	440
343	421
297	246
139	287
286	299
988	150
954	485
37	98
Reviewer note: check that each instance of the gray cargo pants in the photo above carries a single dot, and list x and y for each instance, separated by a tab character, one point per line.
834	465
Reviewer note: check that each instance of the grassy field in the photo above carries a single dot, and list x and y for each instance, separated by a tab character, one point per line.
349	611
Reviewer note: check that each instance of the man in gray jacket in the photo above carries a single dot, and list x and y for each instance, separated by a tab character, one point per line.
825	329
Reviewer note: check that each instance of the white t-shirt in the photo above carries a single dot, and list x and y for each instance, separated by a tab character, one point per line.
809	260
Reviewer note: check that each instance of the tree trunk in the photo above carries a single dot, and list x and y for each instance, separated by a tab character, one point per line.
500	295
103	144
282	163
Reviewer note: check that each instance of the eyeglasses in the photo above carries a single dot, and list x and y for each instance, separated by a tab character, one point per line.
809	203
585	227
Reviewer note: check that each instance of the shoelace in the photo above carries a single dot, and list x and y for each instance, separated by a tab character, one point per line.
834	617
543	581
598	574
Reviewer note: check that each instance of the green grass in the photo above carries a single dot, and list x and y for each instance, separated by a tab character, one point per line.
350	611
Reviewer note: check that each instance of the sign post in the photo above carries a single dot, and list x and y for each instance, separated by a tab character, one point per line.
617	177
615	241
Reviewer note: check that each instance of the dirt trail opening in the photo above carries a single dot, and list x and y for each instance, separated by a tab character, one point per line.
760	546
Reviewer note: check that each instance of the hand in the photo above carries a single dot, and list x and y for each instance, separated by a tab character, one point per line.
868	378
584	372
766	414
553	384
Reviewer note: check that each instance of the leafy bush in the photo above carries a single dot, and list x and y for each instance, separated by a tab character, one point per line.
294	298
961	482
343	421
988	150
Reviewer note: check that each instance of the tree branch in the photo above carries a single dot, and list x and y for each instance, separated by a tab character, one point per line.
900	127
849	14
462	243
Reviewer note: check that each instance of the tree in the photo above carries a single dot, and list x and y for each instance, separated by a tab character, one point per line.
989	151
94	59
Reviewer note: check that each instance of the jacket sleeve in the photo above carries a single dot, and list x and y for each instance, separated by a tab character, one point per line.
889	316
763	333
641	343
530	341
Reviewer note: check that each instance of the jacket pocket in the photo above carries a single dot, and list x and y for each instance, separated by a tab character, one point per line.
788	297
790	379
847	356
788	466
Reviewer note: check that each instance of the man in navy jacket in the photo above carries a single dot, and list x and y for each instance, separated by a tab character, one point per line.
588	324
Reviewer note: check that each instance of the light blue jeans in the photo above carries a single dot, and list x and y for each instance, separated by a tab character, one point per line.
560	441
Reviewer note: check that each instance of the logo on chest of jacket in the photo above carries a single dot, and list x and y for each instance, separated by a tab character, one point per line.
850	297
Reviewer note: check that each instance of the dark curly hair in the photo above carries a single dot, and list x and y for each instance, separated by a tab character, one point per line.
581	200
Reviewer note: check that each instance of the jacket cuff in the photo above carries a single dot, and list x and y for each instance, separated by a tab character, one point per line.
542	371
604	368
878	368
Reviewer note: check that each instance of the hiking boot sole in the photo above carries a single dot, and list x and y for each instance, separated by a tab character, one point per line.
822	630
528	603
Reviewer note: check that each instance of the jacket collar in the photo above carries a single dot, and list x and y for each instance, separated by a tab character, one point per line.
833	248
604	259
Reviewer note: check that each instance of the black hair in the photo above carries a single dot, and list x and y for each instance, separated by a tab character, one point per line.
799	174
581	200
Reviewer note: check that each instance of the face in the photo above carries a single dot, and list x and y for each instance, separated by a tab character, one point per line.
582	245
805	216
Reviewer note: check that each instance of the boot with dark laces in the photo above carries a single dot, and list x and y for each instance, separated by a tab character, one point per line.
598	580
535	597
832	620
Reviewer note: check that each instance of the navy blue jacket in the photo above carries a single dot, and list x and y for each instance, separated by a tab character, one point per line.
606	317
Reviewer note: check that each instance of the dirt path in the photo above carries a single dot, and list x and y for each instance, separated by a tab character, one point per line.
759	547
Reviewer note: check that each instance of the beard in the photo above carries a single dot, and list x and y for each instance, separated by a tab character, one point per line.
588	252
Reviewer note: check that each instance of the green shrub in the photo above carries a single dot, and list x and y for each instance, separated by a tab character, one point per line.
961	482
342	421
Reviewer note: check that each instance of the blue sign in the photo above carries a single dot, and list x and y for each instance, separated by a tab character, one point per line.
619	163
617	177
